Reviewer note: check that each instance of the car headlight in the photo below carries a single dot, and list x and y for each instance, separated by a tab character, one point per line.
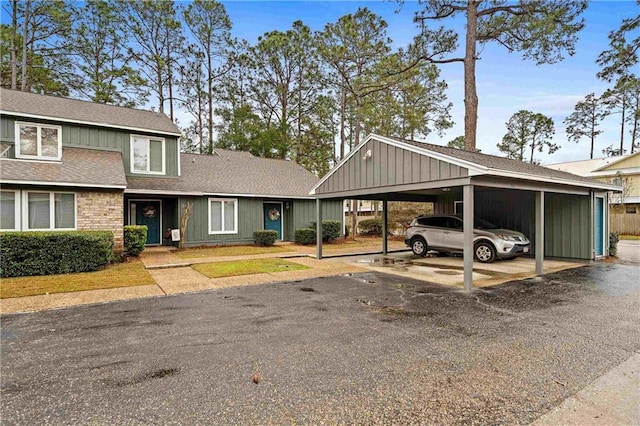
506	237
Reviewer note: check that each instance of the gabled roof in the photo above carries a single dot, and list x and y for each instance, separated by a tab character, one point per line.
479	164
31	105
79	167
230	173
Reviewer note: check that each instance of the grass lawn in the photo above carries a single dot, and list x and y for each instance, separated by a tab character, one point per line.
246	267
228	251
120	275
630	237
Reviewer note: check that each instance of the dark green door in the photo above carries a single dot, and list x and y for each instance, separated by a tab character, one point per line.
273	217
148	213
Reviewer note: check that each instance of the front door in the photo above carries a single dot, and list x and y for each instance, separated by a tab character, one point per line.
148	213
273	217
599	226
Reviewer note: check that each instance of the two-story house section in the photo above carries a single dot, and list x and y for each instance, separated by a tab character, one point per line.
67	164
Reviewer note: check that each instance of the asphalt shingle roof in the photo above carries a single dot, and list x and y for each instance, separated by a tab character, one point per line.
13	101
79	166
498	163
233	172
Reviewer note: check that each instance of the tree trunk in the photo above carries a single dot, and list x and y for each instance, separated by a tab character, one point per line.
343	111
14	46
470	95
624	110
25	37
210	102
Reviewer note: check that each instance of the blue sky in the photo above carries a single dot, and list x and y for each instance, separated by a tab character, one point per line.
506	83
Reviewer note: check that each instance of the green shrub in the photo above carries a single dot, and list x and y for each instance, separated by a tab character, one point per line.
265	237
371	227
48	253
614	237
330	229
135	237
305	236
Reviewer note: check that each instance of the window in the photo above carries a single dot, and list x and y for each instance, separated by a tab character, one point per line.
631	210
38	141
49	210
147	155
223	216
9	210
458	207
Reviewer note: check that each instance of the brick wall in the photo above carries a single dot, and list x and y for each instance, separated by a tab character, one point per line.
101	211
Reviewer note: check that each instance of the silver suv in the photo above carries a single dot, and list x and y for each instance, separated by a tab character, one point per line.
443	233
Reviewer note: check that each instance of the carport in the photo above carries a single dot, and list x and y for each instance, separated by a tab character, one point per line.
564	215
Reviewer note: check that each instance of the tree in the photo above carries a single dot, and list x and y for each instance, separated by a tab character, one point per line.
211	27
585	120
98	46
35	43
622	54
457	142
526	129
156	43
634	116
542	30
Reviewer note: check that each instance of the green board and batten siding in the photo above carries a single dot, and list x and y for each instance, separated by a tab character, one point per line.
79	136
250	216
567	226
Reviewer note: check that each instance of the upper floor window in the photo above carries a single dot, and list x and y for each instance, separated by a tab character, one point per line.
38	141
147	155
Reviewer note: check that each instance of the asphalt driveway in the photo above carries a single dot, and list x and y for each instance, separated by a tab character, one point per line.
367	348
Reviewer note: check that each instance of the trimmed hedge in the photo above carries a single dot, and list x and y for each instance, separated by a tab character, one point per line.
330	229
48	253
305	236
371	227
135	237
614	237
265	237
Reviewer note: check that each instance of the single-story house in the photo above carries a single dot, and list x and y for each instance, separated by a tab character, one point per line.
563	214
67	164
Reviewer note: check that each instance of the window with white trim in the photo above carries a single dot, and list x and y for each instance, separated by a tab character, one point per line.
147	155
9	210
223	215
38	141
49	210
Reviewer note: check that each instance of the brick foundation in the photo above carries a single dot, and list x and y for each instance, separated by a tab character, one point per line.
101	211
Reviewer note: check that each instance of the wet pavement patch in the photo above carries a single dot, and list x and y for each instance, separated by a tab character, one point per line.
140	378
307	289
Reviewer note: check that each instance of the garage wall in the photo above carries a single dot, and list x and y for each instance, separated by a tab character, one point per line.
567	226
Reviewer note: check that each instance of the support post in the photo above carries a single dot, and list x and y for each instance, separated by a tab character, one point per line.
385	246
539	232
467	218
318	228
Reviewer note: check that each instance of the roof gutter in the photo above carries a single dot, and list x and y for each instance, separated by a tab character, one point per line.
213	194
90	123
71	184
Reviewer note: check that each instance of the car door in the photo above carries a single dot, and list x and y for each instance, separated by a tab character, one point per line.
452	235
433	229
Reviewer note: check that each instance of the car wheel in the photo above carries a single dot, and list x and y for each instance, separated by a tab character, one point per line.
419	247
484	252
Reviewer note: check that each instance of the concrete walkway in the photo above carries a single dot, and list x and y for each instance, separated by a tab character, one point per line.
613	399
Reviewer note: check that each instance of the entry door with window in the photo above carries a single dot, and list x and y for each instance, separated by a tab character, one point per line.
599	226
148	213
273	217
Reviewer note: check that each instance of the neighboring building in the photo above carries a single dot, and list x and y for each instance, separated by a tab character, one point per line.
624	171
67	164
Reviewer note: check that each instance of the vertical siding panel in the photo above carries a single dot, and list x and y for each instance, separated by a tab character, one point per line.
415	167
425	170
376	163
384	164
406	166
391	161
434	168
399	166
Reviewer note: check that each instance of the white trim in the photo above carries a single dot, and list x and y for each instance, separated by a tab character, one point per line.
178	156
161	227
402	145
91	123
212	194
132	155
619	160
17	201
235	219
39	127
455	205
473	169
72	184
281	216
52	216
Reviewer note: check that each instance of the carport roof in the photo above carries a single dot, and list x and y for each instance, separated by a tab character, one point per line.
479	164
